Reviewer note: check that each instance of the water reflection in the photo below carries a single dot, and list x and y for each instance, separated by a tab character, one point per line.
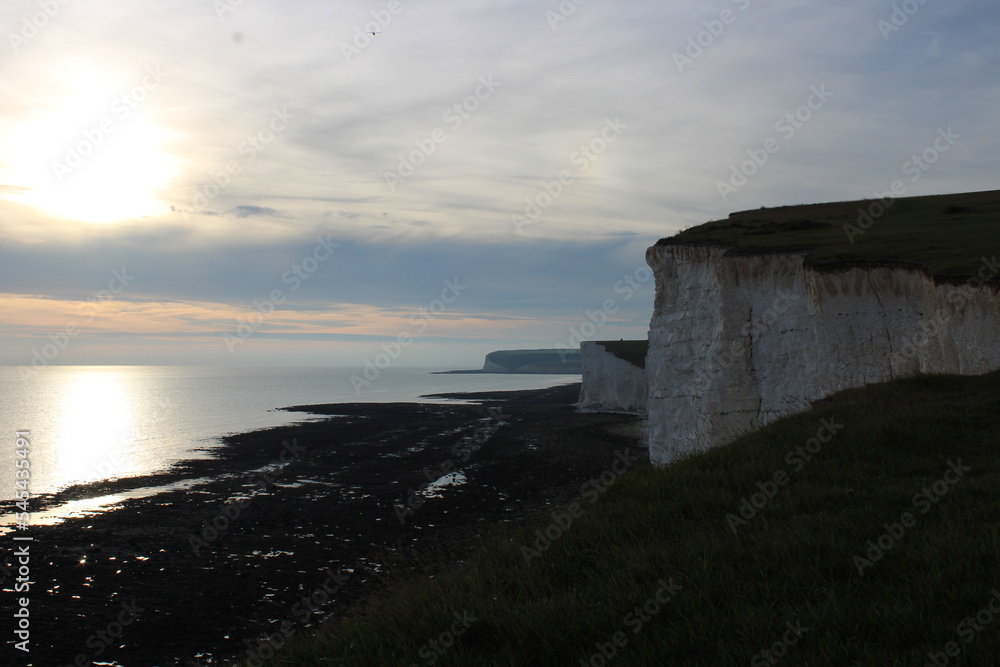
91	438
90	506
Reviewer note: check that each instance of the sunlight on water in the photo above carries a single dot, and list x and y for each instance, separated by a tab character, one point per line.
75	508
92	435
90	506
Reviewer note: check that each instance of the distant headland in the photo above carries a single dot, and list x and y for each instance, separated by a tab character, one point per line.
538	362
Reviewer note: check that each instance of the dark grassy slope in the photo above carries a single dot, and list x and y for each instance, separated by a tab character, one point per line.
791	578
632	351
944	234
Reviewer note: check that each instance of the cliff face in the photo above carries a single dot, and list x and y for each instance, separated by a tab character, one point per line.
737	341
609	382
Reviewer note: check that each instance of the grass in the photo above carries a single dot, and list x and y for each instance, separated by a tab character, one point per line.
792	565
944	234
632	351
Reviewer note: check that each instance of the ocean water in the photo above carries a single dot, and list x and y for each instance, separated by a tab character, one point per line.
90	423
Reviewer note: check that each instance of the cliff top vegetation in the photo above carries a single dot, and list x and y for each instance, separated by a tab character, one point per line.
946	235
632	351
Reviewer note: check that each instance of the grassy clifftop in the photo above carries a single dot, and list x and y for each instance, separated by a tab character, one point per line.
632	351
947	235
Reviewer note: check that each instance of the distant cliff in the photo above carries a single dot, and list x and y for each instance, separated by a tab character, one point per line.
532	361
614	376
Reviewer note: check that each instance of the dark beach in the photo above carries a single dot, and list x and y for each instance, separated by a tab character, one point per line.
322	517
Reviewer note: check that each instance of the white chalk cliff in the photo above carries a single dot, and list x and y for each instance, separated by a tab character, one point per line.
737	341
610	384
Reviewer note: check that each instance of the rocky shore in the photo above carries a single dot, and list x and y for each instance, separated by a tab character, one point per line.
303	523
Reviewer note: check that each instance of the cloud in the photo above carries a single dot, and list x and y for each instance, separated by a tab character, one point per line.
246	211
396	148
181	263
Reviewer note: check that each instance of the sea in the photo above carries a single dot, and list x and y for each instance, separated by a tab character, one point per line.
91	423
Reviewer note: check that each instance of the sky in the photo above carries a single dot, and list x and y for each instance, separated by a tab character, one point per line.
255	182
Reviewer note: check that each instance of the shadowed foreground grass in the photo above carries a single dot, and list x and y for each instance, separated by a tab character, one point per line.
878	548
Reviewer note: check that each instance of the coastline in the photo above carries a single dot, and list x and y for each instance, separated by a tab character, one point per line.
338	508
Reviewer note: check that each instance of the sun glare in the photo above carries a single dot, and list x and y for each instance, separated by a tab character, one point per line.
118	182
94	155
92	434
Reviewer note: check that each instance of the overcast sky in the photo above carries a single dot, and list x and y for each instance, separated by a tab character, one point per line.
264	182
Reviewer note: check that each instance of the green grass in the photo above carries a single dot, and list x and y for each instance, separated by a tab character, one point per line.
632	351
944	234
792	562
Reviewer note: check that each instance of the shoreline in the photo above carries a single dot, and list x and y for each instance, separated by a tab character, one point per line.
337	508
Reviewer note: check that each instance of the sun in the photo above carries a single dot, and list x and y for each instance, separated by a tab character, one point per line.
94	153
118	182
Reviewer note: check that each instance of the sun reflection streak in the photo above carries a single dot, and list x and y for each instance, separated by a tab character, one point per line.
92	434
